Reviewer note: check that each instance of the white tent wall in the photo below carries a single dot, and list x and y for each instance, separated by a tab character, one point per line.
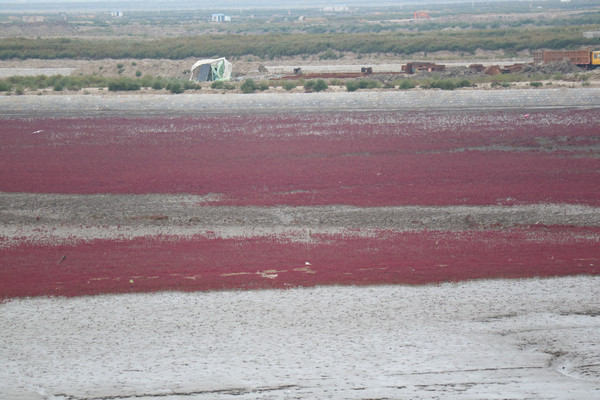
215	64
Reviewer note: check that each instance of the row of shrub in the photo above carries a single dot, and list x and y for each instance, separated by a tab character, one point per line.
328	45
59	83
250	86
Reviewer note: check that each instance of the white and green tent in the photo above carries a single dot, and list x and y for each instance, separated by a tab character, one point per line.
211	69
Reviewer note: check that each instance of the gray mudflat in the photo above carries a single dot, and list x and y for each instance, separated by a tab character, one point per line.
152	104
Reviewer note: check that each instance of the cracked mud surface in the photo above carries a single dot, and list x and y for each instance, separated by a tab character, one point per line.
517	339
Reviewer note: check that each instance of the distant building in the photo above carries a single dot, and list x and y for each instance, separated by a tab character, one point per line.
116	14
337	8
220	18
33	18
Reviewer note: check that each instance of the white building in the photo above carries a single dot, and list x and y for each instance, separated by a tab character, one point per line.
220	18
337	8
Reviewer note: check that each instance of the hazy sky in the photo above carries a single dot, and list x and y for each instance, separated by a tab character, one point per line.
256	3
76	5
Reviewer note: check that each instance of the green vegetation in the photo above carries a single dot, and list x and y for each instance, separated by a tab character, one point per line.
124	84
289	85
249	86
174	87
351	86
222	85
406	84
326	45
59	83
157	84
5	86
500	84
315	85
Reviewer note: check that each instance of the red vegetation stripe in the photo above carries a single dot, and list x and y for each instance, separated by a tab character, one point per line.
363	159
201	263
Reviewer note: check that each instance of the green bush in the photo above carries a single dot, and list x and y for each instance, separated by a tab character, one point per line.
368	84
74	86
5	86
248	86
189	85
447	84
158	84
222	85
463	83
406	84
147	81
535	84
123	84
317	85
352	86
175	87
289	85
444	84
138	73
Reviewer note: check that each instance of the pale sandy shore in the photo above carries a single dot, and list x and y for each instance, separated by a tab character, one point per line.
501	339
197	104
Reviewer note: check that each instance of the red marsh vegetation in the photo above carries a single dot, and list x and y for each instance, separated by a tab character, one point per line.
368	159
213	263
364	159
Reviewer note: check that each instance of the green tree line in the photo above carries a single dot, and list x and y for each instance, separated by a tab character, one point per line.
277	45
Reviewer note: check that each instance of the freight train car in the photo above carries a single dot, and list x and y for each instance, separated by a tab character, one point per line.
582	58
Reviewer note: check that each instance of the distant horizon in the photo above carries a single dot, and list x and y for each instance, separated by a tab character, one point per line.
146	5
